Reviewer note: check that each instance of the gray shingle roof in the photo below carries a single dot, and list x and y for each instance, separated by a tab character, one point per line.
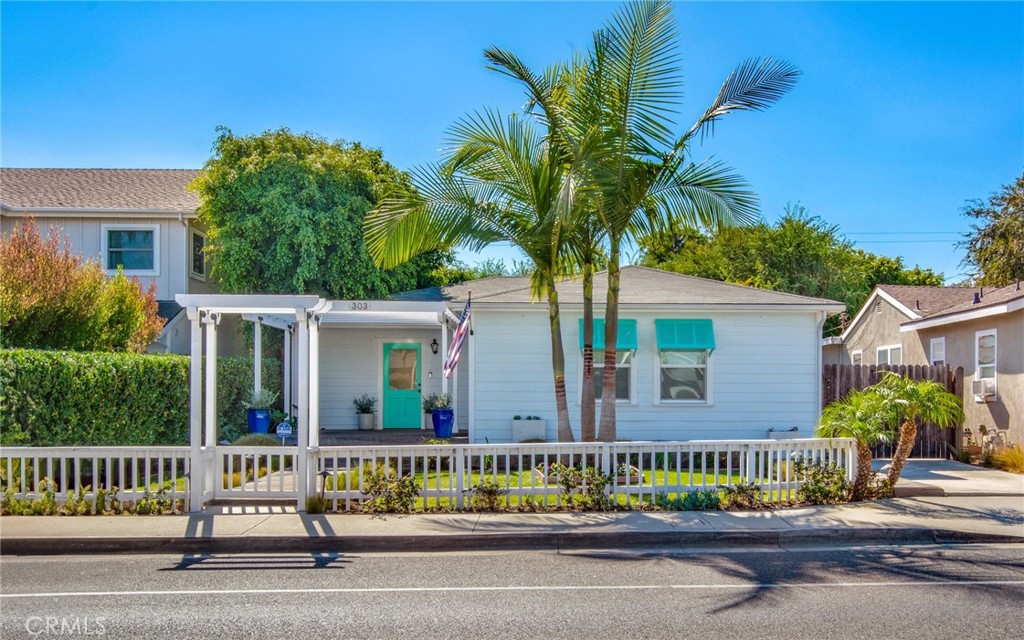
128	189
989	297
928	300
639	285
168	309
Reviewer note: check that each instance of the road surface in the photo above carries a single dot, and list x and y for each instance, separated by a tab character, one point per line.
957	592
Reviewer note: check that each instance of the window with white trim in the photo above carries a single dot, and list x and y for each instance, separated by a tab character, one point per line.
890	354
985	355
857	357
132	247
938	351
198	255
623	375
683	375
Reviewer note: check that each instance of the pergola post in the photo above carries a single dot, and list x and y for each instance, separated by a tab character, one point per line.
286	375
314	383
211	320
302	454
196	481
257	355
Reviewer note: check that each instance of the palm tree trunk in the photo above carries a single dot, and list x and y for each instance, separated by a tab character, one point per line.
904	445
588	411
558	364
607	431
863	479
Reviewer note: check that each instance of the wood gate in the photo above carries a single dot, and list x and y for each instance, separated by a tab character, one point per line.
838	380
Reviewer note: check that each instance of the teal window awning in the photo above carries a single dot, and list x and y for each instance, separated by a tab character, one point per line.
627	334
690	335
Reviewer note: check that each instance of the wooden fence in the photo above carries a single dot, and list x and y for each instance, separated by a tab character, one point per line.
838	380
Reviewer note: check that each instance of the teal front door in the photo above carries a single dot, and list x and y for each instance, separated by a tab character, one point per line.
402	405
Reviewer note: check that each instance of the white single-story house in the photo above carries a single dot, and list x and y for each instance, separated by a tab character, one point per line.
698	359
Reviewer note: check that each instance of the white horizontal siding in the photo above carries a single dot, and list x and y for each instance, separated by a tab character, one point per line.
350	363
764	374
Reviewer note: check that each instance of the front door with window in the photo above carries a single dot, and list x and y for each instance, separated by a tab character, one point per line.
402	404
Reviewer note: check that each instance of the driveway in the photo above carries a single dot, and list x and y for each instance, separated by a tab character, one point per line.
948	478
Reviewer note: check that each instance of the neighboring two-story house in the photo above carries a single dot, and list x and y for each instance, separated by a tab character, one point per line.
978	328
141	219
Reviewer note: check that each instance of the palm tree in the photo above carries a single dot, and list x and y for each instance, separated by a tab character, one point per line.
645	181
860	415
906	402
501	181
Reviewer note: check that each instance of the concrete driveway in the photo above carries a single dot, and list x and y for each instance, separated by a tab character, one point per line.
948	478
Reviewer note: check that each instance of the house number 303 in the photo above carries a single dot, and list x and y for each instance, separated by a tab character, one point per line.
360	306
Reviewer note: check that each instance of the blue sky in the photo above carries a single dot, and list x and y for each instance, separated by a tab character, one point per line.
905	111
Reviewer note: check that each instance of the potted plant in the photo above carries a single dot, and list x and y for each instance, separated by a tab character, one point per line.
257	404
528	428
439	406
627	473
365	405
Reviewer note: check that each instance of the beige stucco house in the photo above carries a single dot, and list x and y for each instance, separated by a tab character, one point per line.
141	219
978	328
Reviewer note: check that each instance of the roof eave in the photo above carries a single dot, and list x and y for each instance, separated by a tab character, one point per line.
93	212
963	316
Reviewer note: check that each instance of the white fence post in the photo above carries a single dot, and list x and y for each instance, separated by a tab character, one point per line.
459	455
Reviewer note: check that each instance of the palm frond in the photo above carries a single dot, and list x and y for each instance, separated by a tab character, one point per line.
753	86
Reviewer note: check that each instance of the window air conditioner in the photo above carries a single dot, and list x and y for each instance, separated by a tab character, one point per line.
983	389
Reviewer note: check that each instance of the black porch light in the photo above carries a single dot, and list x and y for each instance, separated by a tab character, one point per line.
433	346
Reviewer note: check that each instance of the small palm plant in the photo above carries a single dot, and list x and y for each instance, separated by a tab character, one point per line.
906	402
860	415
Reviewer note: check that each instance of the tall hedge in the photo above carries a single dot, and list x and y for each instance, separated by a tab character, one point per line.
62	398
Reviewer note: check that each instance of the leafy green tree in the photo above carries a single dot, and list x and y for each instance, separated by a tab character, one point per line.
52	299
799	254
860	415
995	245
286	213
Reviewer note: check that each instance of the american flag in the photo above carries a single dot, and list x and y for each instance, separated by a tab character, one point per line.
452	360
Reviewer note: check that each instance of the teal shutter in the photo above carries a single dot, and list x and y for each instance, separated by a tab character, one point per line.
627	334
696	335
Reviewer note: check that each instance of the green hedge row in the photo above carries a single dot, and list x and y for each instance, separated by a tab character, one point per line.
64	398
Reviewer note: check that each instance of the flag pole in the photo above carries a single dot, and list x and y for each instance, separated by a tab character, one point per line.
469	300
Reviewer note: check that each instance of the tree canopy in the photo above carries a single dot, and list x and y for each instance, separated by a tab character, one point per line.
286	212
995	244
799	254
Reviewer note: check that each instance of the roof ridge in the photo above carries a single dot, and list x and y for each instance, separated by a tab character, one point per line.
721	282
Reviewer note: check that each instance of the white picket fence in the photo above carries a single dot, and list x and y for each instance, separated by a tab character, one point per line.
135	471
445	475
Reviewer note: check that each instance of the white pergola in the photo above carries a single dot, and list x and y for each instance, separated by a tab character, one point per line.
301	316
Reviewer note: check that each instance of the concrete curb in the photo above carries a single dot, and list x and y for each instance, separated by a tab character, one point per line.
497	542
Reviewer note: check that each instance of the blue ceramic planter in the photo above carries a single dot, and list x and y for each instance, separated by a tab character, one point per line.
259	420
442	419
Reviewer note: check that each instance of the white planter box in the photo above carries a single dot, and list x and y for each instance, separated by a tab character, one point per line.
529	430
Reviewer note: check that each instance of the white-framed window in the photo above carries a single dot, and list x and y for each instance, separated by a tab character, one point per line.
133	247
938	351
625	380
857	357
890	354
197	255
985	356
683	376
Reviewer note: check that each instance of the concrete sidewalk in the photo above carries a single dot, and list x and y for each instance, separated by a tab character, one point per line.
918	520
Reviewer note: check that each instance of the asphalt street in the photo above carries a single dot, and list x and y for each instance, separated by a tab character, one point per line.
815	593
